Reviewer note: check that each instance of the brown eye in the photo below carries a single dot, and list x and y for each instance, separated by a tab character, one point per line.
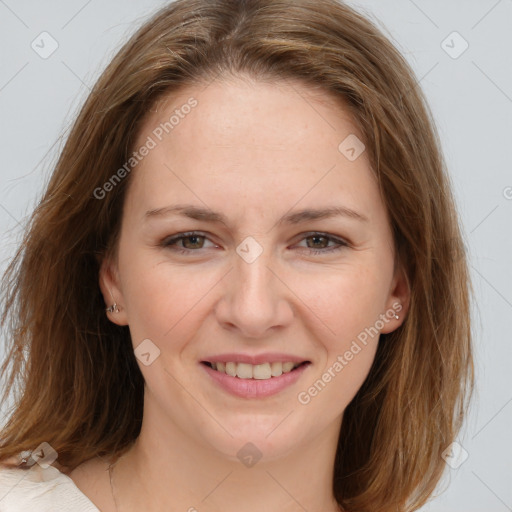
185	242
192	241
317	243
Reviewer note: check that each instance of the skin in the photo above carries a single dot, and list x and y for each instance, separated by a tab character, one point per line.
252	151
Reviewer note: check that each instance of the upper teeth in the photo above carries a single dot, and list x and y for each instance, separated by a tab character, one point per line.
254	371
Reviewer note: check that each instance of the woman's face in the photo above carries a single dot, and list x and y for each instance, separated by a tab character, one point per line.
263	279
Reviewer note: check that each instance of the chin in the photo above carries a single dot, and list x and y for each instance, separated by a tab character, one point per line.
261	437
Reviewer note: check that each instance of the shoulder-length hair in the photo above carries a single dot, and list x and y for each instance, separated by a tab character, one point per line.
81	387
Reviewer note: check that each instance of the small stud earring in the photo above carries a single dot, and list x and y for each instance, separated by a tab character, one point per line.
114	308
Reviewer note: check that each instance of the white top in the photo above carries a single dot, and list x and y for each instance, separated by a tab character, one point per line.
41	490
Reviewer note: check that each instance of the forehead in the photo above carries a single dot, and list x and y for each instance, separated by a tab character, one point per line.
249	113
253	142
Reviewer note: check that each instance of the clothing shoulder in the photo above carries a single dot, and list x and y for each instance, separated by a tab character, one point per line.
40	489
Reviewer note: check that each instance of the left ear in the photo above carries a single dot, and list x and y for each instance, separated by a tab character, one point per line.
111	291
398	300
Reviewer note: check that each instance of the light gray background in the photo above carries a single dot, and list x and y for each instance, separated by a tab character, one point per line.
471	99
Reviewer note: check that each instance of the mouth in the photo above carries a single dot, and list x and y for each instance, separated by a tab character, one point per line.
254	381
264	371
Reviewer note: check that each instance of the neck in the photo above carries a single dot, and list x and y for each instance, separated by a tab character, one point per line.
158	473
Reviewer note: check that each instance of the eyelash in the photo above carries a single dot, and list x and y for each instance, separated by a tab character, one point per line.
170	242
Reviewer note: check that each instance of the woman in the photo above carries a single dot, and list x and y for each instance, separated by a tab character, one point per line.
239	291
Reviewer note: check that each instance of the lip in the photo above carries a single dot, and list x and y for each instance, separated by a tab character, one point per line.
266	357
254	388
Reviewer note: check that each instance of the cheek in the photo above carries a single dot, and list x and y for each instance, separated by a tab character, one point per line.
344	300
162	301
345	317
334	387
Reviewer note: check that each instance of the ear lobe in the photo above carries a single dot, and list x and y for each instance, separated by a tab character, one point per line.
398	301
112	294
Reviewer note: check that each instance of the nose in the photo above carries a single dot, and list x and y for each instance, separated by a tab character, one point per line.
255	300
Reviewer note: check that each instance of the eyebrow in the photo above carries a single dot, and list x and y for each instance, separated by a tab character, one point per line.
207	215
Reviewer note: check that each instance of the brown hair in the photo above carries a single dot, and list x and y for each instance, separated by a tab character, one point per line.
81	387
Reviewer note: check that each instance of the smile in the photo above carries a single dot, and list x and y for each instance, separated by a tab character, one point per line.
262	371
254	381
